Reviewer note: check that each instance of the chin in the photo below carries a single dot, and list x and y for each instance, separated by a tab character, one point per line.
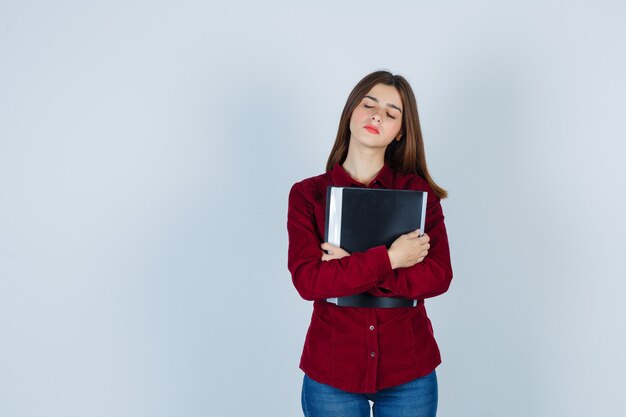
371	142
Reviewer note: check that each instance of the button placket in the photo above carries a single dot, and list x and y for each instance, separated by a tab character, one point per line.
370	327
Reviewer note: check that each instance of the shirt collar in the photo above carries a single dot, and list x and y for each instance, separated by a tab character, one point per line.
341	178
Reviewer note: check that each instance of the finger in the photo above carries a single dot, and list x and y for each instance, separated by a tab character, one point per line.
339	250
410	235
327	257
422	242
327	247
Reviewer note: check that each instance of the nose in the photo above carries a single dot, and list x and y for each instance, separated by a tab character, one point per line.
375	117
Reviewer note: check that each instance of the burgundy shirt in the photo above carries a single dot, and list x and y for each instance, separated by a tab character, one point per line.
361	349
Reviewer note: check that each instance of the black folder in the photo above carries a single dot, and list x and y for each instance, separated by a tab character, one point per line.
361	218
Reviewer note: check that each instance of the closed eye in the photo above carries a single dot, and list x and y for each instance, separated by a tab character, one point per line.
371	107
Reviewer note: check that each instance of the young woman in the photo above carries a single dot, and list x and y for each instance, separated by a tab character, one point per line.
360	353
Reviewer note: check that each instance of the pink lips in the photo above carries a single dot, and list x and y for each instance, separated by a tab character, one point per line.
371	129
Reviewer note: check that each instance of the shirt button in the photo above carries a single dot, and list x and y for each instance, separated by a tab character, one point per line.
371	327
373	354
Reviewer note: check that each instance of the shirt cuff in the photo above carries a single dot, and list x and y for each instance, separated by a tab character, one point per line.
379	263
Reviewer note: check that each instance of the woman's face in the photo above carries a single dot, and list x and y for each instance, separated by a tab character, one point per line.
377	120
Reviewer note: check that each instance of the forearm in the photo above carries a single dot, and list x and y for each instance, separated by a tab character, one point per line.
354	274
428	277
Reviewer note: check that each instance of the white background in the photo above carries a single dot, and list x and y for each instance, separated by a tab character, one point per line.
146	154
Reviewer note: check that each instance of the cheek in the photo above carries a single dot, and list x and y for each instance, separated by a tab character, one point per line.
359	114
356	119
395	127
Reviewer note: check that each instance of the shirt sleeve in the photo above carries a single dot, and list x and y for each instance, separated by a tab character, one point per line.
316	279
433	275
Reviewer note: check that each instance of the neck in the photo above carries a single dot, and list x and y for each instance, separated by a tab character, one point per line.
363	164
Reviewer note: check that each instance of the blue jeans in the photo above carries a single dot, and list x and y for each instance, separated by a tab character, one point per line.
417	398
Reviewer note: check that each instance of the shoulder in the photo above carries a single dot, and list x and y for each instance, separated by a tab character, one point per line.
411	182
310	189
415	182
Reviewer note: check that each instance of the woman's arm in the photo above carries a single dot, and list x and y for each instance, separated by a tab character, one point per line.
431	276
315	278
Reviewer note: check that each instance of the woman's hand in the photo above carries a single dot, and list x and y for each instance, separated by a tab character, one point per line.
334	252
408	250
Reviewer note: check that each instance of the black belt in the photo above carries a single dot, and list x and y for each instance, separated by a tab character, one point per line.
368	300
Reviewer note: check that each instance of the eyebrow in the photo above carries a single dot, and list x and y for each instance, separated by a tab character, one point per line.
388	104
